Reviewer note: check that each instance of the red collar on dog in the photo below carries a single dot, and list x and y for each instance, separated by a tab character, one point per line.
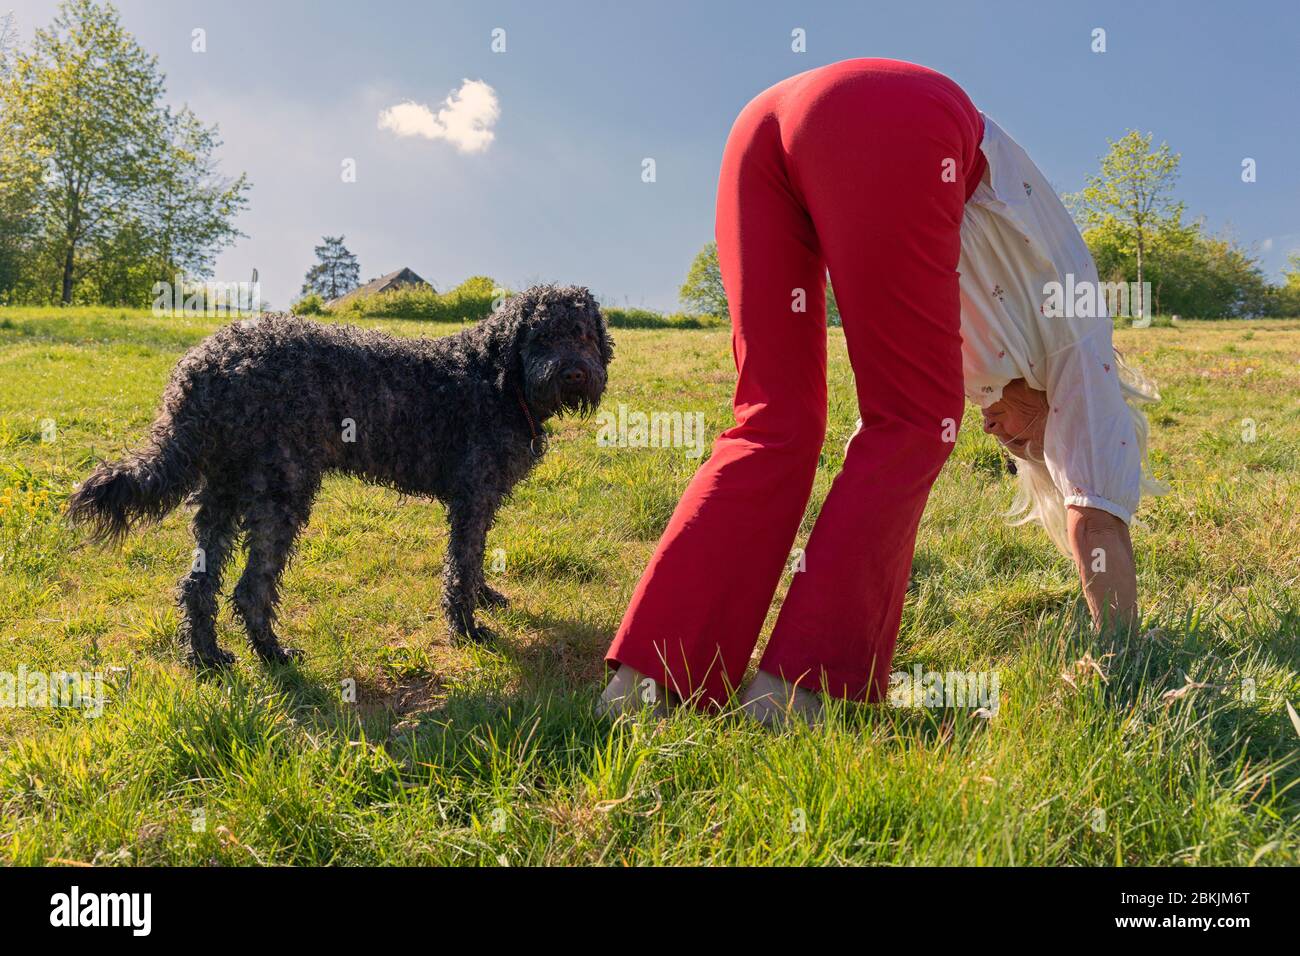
538	441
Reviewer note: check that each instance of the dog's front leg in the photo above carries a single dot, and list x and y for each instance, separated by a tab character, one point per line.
463	567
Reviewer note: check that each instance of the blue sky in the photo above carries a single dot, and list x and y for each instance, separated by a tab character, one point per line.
585	91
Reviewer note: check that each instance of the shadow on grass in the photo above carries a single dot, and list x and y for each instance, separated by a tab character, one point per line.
560	649
522	718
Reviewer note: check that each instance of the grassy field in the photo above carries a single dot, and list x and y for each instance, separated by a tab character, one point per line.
1176	748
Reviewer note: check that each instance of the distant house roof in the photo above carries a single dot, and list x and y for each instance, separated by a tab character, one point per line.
394	280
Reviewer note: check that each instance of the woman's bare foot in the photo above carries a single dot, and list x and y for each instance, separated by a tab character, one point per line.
631	692
771	702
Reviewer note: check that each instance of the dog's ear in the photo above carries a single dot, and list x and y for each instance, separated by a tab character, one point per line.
508	351
501	337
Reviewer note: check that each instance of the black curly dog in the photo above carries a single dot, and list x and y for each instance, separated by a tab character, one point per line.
256	414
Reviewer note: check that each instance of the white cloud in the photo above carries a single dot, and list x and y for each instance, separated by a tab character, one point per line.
465	118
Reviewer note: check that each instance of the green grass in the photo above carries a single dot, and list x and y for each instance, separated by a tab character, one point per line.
490	756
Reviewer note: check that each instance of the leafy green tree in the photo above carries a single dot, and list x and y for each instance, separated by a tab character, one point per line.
19	180
1192	273
703	294
1131	195
1287	296
478	286
8	40
1212	277
192	204
119	173
1290	288
19	177
336	271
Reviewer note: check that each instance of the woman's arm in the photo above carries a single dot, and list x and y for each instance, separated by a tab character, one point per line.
1103	553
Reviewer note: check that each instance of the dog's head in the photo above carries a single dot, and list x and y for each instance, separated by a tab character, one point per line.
562	347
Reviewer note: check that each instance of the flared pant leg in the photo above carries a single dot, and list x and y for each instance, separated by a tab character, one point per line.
863	167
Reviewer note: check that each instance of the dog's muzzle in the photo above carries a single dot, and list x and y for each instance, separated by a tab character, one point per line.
581	387
567	382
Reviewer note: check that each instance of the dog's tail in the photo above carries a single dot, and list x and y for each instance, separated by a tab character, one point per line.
144	486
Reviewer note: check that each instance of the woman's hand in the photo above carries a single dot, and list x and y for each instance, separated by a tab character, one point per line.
1018	419
1103	553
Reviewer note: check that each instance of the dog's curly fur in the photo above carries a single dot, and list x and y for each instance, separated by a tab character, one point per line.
255	415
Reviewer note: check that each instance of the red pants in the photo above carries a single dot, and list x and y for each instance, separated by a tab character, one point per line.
864	167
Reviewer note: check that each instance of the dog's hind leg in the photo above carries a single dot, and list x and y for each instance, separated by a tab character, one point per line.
271	530
214	533
462	576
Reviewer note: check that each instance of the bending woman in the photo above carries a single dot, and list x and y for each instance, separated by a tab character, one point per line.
885	173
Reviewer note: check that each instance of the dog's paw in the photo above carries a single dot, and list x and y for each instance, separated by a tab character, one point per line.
211	659
275	654
474	634
490	597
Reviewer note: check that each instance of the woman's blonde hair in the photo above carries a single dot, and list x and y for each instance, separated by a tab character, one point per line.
1038	498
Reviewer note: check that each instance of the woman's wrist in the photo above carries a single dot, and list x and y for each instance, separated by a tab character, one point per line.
1103	553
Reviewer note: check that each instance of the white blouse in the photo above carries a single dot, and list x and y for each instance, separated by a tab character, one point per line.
1016	237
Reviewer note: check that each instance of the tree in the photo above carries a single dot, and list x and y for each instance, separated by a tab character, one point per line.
15	184
8	39
1287	296
703	294
1131	194
85	107
1191	272
19	176
193	204
336	271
